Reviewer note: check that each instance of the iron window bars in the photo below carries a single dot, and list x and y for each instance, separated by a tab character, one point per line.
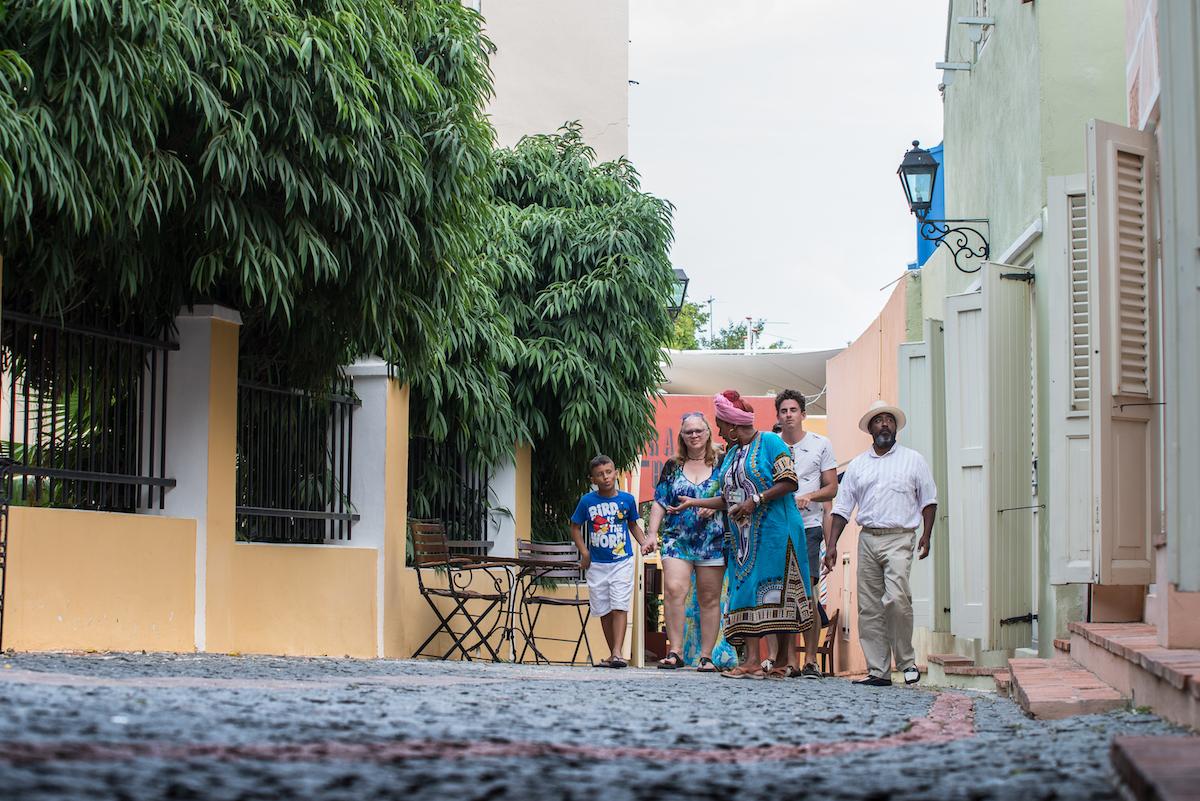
294	453
85	418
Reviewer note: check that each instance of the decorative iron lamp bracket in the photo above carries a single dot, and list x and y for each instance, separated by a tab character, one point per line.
964	239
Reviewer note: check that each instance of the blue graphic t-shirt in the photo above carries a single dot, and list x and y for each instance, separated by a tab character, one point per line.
605	523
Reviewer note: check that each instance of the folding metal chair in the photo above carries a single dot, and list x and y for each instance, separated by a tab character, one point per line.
431	553
533	601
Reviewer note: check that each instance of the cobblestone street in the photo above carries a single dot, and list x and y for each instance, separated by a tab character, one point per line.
199	726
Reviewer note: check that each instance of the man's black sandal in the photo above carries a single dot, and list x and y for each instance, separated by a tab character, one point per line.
617	662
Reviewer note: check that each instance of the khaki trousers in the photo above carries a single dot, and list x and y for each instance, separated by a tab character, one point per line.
885	617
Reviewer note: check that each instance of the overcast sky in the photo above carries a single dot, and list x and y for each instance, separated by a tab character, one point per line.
775	127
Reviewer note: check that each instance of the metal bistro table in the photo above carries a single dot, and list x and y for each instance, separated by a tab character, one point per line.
523	572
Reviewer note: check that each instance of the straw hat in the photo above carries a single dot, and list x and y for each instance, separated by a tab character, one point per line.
882	407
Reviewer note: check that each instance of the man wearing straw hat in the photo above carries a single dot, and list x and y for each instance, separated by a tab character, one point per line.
893	489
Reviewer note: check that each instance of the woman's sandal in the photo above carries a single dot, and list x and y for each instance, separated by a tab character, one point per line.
671	661
706	666
771	670
743	672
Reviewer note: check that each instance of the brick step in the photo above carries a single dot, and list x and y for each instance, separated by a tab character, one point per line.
1161	768
1050	689
971	670
1003	681
951	659
1063	645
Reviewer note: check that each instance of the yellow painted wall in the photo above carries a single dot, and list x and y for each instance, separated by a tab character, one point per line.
317	600
98	580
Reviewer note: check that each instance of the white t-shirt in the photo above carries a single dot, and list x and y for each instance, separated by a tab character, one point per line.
812	455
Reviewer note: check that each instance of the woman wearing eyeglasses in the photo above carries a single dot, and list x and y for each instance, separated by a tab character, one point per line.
693	540
769	586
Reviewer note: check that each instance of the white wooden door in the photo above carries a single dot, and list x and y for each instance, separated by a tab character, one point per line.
966	454
1122	320
923	397
1065	280
1008	420
916	390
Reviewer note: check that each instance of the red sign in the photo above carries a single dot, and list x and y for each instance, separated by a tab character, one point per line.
669	412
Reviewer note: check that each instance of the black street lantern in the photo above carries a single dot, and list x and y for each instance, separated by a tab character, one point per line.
679	294
967	243
918	173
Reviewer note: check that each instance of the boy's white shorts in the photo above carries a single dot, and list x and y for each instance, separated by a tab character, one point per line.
610	586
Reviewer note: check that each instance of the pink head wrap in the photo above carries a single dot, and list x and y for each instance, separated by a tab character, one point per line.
731	414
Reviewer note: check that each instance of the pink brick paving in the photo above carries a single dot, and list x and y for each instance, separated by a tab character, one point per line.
950	718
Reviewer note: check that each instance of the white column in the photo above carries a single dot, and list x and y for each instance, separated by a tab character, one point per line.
502	494
188	434
368	482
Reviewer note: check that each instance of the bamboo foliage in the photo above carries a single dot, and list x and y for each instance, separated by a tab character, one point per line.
320	166
578	266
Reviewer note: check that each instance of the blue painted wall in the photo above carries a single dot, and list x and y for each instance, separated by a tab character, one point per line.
936	212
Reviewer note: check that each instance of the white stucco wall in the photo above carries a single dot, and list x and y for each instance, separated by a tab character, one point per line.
561	60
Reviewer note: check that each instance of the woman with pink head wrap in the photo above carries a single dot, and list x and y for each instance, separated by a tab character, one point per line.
769	586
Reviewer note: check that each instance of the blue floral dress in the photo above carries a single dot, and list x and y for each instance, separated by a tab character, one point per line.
685	534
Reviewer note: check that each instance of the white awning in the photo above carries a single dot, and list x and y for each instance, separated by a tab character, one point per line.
763	372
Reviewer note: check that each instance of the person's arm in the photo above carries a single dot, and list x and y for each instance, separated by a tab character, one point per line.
585	556
782	487
826	519
826	492
657	513
717	503
927	497
927	515
648	543
835	532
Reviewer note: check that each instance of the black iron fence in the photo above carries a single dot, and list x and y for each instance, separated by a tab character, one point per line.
84	420
443	486
294	453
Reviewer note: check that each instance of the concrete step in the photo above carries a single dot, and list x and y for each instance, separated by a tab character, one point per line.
1059	688
1159	768
1063	645
951	659
1003	681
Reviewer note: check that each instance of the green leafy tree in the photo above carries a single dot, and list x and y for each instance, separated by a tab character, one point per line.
320	166
691	321
586	287
733	337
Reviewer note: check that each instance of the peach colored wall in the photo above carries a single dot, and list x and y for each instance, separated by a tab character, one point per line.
99	580
863	372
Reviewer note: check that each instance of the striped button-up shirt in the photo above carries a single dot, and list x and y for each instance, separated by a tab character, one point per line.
890	490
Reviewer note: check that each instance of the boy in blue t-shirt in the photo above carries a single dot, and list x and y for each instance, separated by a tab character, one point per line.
610	517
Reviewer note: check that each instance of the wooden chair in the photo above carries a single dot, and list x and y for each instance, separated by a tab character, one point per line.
533	602
825	649
431	552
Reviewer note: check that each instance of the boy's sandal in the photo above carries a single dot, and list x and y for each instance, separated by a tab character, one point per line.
617	662
603	663
792	672
706	666
671	661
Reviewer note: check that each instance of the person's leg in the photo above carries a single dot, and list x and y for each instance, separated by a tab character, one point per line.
708	596
677	585
606	623
620	588
812	635
751	656
872	630
897	597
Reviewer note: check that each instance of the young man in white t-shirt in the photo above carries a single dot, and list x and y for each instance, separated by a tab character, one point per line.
816	474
